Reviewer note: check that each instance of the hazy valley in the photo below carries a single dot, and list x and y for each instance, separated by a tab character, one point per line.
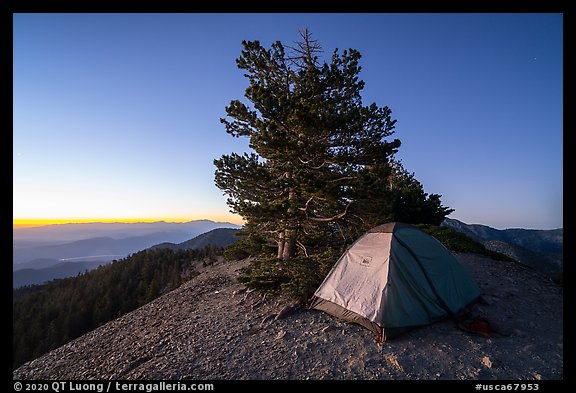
57	251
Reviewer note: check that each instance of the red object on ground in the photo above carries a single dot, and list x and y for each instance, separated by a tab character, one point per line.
478	325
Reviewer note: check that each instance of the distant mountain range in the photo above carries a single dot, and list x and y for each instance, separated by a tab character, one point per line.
58	270
220	237
86	249
65	233
86	240
55	251
540	249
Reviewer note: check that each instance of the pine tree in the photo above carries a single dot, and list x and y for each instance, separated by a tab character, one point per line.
392	193
321	159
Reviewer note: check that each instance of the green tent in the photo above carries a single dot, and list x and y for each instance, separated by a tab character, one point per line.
393	278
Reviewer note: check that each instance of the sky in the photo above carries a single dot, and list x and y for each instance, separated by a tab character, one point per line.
116	116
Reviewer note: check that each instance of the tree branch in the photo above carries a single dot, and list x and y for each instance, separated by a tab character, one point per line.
333	218
305	209
341	231
302	247
312	167
343	178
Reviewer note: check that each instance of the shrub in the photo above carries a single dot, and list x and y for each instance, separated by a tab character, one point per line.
459	242
299	277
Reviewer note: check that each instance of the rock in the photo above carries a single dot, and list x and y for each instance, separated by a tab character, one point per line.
267	318
287	310
519	333
328	328
392	361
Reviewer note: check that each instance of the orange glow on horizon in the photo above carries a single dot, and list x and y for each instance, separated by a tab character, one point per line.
32	222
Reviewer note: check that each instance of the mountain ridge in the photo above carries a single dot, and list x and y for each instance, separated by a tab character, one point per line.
78	231
219	237
30	276
540	249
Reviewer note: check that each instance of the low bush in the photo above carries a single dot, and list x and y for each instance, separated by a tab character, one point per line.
299	277
459	242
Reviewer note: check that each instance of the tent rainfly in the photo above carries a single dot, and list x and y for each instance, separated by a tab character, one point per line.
393	278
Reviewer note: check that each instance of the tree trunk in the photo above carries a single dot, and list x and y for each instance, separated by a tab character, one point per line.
289	245
281	243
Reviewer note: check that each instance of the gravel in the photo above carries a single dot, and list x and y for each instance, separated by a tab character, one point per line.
213	328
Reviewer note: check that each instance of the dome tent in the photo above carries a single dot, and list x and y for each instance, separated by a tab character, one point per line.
393	278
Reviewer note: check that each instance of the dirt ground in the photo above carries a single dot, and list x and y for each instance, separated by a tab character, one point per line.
213	328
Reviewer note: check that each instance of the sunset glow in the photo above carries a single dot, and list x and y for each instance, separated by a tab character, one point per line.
29	222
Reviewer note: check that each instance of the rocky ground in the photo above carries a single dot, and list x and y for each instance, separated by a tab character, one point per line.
213	328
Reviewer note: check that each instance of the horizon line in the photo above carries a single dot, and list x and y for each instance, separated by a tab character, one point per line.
34	222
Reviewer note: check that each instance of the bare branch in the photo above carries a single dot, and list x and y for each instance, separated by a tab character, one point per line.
276	231
343	178
333	218
302	247
360	218
305	209
317	167
283	175
341	231
305	52
312	167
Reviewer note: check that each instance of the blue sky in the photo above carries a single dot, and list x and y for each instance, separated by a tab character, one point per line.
116	116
